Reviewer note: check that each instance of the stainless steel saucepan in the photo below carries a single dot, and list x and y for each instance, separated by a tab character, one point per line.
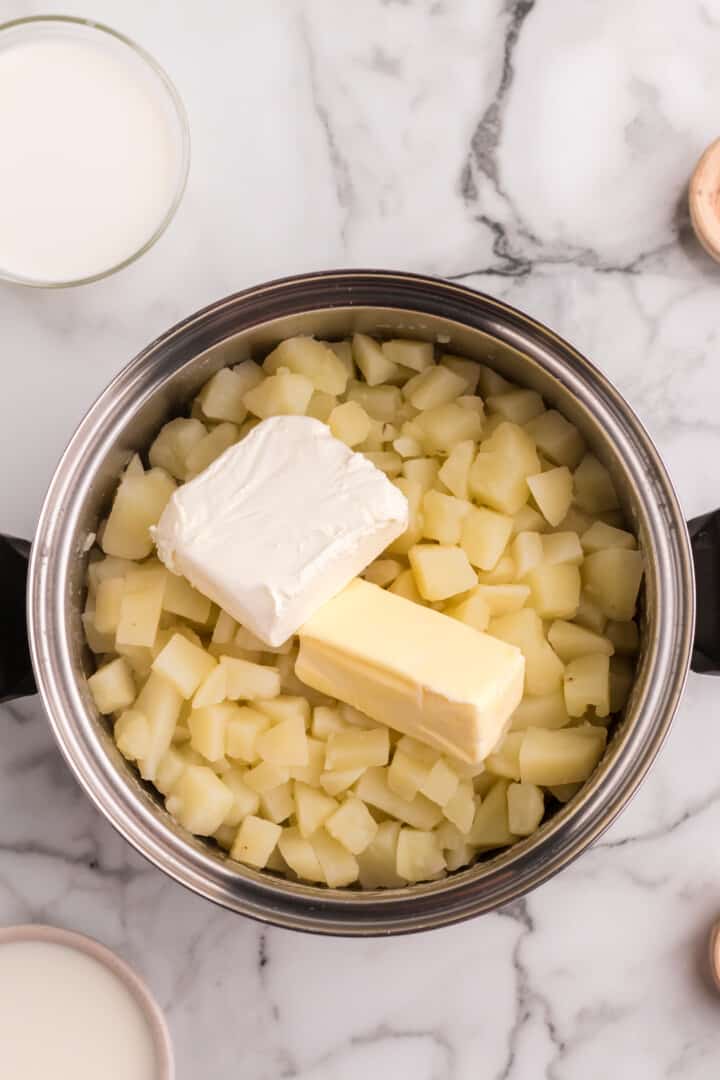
157	385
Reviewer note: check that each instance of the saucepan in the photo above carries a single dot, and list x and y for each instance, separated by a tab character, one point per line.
157	385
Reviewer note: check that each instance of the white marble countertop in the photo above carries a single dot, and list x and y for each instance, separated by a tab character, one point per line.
537	151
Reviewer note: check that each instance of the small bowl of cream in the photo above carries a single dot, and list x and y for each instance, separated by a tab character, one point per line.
71	1007
95	151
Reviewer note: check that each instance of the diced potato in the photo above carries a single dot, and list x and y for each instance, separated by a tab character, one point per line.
594	489
386	460
404	585
352	825
460	856
160	702
255	841
183	664
250	681
526	807
557	438
407	447
484	535
373	789
475	404
406	774
170	768
326	719
589	614
375	366
600	536
108	604
245	800
339	866
587	682
132	734
413	493
555	590
138	504
543	668
528	519
424	471
310	359
441	571
571	641
380	402
278	804
180	598
503	599
378	862
249	373
564	792
383	572
490	828
321	406
242	731
622	675
222	397
199	800
287	707
567	756
434	386
612	579
419	855
350	423
473	610
357	749
266	776
208	729
447	425
492	382
284	394
335	781
224	629
141	606
527	553
211	447
173	444
300	856
517	406
418	750
441	783
514	443
495	479
112	686
562	547
311	772
460	809
547	711
468	370
285	743
417	355
443	516
312	807
213	688
624	636
505	759
552	491
455	470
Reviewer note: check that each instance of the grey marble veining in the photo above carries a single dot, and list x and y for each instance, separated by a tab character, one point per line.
538	151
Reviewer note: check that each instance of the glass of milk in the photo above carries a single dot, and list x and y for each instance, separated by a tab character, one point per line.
94	151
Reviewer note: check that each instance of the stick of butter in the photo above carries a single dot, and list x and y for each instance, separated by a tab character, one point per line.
412	668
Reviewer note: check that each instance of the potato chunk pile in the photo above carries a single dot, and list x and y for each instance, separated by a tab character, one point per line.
515	529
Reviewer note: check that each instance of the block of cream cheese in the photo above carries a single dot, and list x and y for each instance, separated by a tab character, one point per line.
279	524
413	668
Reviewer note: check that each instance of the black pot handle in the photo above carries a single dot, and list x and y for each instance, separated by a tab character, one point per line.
705	540
16	674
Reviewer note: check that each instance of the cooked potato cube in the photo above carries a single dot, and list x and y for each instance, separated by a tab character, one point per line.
552	491
335	781
245	800
311	359
213	688
183	664
543	668
224	629
321	406
505	759
241	733
419	855
473	610
491	382
339	866
555	590
383	572
357	749
378	862
311	772
424	471
564	792
570	641
406	774
490	828
312	807
441	571
475	404
502	599
112	686
373	788
547	710
380	402
404	585
455	470
199	800
441	783
326	719
249	373
222	397
594	489
287	707
468	370
170	768
160	702
138	504
284	394
622	674
417	355
278	804
350	423
502	574
560	757
460	809
562	547
211	447
208	730
434	386
624	637
528	519
600	536
375	366
443	516
414	494
386	460
589	614
352	825
557	438
141	606
179	598
300	856
514	443
173	444
407	447
255	841
418	750
527	553
484	535
285	743
526	807
587	682
612	579
517	406
447	425
495	479
250	681
132	734
108	604
266	776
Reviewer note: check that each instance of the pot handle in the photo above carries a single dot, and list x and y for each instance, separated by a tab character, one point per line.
16	674
705	540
